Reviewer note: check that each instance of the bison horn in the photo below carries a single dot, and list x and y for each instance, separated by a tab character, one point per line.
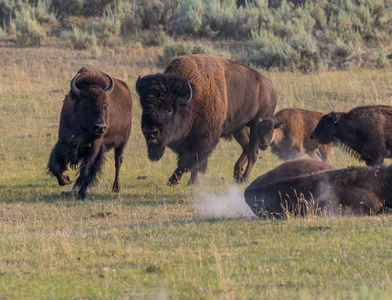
137	86
74	89
335	118
186	98
111	85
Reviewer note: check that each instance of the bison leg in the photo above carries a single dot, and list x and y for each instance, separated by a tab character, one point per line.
91	165
175	179
378	159
325	150
242	137
118	158
315	154
253	149
57	165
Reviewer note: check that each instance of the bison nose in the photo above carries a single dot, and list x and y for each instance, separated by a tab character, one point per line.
263	147
150	133
100	127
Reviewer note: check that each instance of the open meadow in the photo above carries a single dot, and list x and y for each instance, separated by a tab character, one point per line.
153	241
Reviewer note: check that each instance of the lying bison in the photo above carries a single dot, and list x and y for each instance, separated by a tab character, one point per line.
365	130
96	116
197	100
288	133
354	190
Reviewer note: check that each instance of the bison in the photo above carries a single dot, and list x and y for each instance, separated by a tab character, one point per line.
357	190
96	116
198	99
366	131
288	133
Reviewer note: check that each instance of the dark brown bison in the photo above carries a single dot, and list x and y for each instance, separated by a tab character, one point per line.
289	132
96	117
365	130
197	100
354	190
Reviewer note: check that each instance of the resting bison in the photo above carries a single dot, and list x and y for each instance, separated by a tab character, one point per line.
365	131
288	133
354	190
96	116
197	100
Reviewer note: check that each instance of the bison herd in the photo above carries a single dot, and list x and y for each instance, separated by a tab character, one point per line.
200	98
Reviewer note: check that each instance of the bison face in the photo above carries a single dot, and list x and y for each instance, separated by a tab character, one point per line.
92	115
266	132
326	129
166	115
91	106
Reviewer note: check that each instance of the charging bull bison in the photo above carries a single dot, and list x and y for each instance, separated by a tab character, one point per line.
198	99
289	132
355	191
96	117
365	131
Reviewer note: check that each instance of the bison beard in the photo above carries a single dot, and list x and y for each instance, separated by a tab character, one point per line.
155	152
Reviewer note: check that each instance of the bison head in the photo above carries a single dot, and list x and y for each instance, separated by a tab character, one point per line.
266	132
326	129
166	117
91	104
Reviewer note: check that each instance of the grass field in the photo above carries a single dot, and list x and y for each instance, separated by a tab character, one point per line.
150	241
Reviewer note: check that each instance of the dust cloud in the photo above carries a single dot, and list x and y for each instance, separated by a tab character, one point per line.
230	204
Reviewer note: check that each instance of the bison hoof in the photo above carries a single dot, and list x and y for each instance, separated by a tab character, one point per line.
64	180
84	199
116	189
240	179
173	182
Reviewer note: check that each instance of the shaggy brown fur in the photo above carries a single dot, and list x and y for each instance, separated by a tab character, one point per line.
91	124
225	98
354	190
289	132
365	130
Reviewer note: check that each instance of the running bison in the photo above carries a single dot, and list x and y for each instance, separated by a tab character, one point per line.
366	131
96	117
355	190
198	99
288	133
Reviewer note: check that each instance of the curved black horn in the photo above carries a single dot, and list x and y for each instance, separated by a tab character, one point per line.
74	89
137	86
188	97
111	85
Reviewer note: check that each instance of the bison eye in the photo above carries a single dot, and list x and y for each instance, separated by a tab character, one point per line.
83	104
105	105
170	111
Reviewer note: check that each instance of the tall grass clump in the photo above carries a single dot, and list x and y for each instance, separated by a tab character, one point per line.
29	22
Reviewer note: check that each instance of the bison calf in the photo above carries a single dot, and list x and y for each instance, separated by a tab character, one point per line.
289	132
96	116
198	99
354	190
365	130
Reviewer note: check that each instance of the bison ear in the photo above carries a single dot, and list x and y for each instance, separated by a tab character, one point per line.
187	97
278	125
138	86
335	118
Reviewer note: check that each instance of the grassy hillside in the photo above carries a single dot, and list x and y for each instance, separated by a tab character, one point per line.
287	35
152	241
